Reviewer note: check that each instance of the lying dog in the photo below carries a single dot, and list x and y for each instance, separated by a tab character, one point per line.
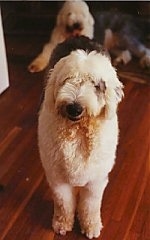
122	36
73	19
78	131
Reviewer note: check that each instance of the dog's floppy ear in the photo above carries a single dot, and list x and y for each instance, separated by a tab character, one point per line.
60	14
91	19
49	90
59	18
113	96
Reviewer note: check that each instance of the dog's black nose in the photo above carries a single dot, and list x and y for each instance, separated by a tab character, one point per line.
76	25
74	109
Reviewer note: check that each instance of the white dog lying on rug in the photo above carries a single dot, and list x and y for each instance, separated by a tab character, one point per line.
73	19
78	132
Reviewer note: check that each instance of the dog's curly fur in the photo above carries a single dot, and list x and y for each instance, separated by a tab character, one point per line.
78	132
73	19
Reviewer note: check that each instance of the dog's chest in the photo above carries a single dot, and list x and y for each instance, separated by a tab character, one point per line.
80	159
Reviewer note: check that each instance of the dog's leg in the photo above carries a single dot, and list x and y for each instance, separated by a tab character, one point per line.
145	60
64	208
138	49
89	208
42	60
121	56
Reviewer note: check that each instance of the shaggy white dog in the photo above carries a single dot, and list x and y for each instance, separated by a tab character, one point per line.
73	19
78	133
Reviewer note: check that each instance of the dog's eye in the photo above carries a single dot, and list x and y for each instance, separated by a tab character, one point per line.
100	86
97	87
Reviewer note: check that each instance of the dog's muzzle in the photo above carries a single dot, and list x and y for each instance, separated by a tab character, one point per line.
76	26
74	111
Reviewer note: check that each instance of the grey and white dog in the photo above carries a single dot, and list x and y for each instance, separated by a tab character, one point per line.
123	35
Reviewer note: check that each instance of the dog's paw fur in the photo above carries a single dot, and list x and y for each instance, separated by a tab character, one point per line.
124	58
63	224
91	227
145	60
38	64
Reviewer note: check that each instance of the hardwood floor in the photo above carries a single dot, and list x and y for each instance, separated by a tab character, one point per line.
26	206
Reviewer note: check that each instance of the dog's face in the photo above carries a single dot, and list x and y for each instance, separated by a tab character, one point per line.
83	85
74	17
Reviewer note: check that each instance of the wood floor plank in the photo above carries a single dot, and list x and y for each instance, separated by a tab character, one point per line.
20	183
13	158
21	99
36	218
20	188
141	224
9	138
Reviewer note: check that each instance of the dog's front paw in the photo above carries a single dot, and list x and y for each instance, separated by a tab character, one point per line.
145	60
38	64
62	224
91	228
124	58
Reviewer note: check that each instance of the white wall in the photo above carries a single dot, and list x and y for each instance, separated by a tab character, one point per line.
4	79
